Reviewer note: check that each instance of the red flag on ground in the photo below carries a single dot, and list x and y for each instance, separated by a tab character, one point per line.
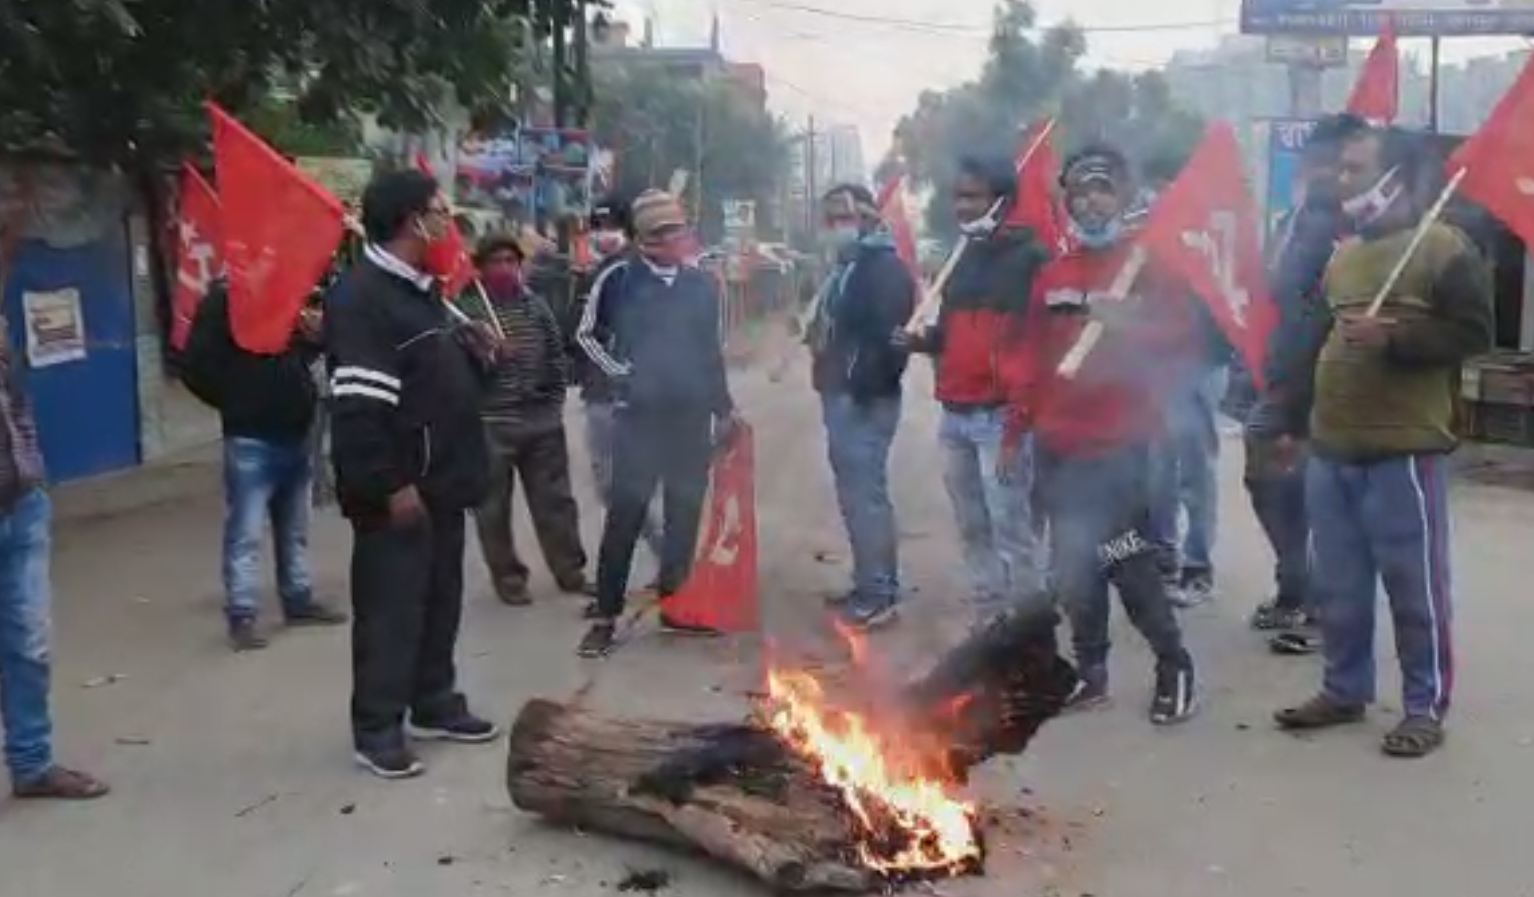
892	209
722	591
450	254
198	256
1204	227
1377	95
1035	205
1498	160
280	231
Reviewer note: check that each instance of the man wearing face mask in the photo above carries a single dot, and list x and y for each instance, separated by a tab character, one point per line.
983	318
1275	470
1381	428
1094	431
524	425
655	331
410	460
868	294
611	242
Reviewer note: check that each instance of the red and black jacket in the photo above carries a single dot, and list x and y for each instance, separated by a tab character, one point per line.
1117	399
985	306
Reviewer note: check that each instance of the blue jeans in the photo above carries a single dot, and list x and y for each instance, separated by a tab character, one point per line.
994	514
599	450
1383	522
858	440
1185	472
26	603
266	480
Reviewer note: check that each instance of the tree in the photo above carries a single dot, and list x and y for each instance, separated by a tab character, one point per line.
657	122
1026	78
124	80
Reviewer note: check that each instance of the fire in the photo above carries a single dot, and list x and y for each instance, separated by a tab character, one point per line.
911	821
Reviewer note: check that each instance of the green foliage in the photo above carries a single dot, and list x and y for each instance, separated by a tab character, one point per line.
1029	76
116	80
658	122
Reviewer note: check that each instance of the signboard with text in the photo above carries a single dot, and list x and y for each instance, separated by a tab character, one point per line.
1286	143
1366	18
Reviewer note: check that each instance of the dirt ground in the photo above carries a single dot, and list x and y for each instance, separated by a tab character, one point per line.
233	773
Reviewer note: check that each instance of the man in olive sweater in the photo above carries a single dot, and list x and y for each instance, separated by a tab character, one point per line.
1382	425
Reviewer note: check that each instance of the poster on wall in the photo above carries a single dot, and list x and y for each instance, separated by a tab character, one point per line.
55	327
1286	142
526	172
1366	18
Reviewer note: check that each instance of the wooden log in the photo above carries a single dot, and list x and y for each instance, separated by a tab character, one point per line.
780	823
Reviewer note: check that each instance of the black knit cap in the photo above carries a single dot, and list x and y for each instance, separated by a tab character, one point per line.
1100	163
615	210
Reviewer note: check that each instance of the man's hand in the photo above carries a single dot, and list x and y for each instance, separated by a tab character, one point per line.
310	324
908	340
481	340
1284	454
406	508
1009	461
728	430
1365	331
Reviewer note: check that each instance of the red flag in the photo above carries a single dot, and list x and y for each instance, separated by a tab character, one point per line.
280	231
198	257
721	593
1498	160
1204	227
451	254
893	211
1035	205
1377	95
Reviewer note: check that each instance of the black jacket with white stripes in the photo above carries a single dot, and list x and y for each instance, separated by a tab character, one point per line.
405	393
656	336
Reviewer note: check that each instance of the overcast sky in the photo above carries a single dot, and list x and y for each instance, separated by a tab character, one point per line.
866	63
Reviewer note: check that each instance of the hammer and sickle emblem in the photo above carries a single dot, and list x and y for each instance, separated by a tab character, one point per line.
726	547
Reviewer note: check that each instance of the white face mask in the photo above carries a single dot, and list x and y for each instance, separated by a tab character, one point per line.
1370	205
986	224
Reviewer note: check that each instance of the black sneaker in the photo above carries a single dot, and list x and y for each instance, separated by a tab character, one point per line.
1194	588
1091	691
1277	614
672	626
394	762
866	616
462	728
1176	695
598	640
317	613
244	636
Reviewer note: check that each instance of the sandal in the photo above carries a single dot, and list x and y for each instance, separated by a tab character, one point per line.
1320	712
58	783
1414	737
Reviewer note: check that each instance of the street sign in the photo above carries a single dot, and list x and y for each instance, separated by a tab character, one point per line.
1321	51
1367	18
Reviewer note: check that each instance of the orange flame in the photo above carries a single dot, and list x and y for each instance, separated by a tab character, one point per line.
882	785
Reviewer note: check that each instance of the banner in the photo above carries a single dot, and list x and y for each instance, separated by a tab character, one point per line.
722	592
1366	18
1286	146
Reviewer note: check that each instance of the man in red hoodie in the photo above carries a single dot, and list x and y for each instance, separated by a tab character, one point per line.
1093	428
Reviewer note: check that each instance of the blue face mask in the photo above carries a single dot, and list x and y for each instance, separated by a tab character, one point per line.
842	236
1098	235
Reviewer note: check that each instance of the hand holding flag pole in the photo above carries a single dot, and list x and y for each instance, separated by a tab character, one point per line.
1434	212
1092	333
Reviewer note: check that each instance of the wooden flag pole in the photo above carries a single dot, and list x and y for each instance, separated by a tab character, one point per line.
1433	213
490	315
1092	333
932	302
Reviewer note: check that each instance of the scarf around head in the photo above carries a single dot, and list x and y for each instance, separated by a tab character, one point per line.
833	290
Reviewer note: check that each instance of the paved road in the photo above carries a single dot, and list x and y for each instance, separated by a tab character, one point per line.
233	773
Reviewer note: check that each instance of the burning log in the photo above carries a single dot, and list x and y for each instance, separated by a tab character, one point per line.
814	798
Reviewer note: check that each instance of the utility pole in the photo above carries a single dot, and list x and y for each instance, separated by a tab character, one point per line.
811	191
582	65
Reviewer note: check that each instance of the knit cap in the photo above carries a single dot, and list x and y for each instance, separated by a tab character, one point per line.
654	211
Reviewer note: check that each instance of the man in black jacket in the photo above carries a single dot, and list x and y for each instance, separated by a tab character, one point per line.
266	404
410	460
653	328
1275	471
868	295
